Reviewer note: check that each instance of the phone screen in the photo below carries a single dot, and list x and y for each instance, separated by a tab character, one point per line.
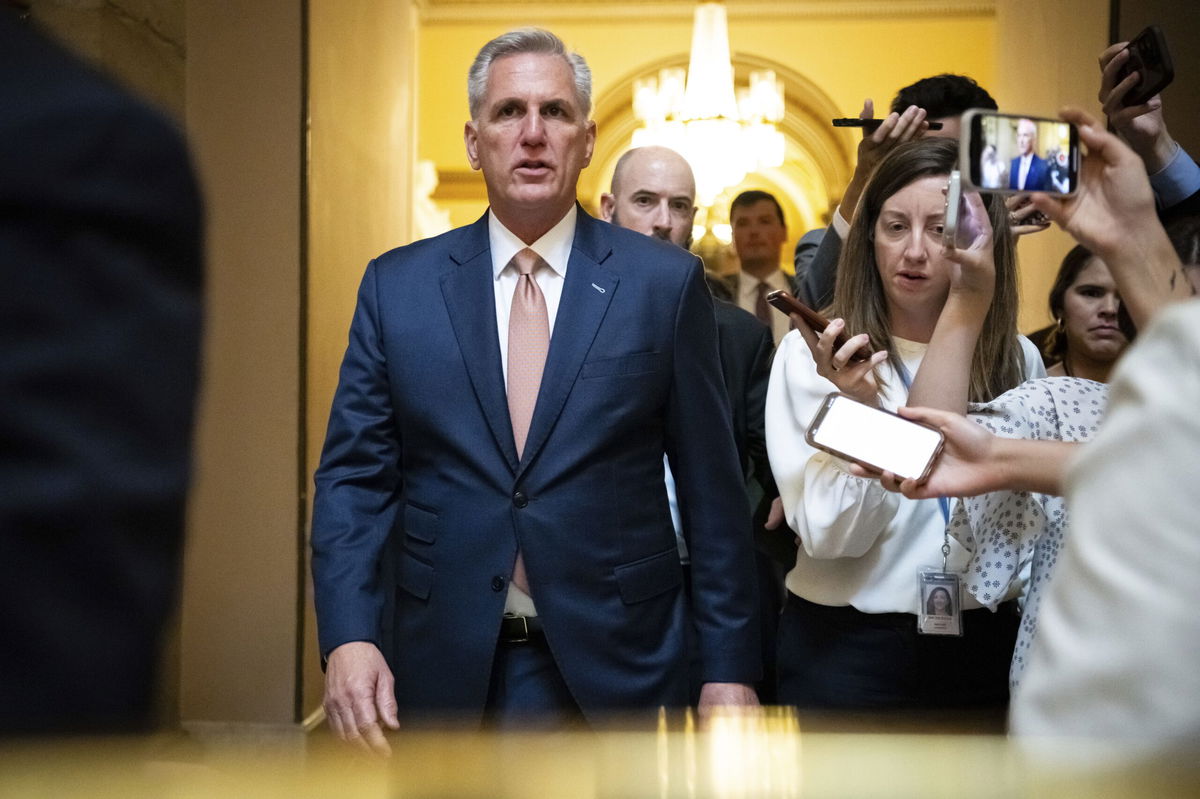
1010	153
875	437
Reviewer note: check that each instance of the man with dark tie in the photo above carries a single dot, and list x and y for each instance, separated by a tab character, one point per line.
491	537
1028	172
758	232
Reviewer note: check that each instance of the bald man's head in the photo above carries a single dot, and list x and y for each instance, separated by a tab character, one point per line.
653	192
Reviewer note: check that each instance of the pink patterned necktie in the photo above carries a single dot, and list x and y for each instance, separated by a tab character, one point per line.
528	342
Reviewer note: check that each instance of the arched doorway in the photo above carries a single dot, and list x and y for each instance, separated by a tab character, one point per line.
817	163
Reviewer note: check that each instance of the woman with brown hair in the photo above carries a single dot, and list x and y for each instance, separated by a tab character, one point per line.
1089	331
848	636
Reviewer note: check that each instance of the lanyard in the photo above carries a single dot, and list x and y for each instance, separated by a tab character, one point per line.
943	502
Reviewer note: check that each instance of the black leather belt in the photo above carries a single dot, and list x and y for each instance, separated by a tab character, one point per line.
520	629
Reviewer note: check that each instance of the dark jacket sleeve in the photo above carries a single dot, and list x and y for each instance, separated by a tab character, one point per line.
816	287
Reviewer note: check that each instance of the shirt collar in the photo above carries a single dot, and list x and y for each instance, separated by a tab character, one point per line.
748	284
554	246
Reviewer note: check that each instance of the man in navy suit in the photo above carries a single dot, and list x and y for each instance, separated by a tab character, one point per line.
1027	172
506	575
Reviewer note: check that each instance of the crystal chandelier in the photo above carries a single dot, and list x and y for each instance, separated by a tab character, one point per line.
724	135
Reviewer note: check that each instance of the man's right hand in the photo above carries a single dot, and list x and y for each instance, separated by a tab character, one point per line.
359	695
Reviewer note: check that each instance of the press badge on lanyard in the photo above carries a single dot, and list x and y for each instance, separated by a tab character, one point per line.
940	590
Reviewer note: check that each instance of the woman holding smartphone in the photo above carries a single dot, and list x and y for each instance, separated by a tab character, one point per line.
849	633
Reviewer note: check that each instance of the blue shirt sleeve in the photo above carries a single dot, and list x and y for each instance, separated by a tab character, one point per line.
1176	181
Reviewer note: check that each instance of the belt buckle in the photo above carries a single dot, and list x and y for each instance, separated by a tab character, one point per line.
523	637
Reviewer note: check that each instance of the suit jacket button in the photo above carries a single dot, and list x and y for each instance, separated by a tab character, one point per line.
497	583
520	500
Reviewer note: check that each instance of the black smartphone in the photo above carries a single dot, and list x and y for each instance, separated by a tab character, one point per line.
876	438
871	124
784	302
1014	153
1149	56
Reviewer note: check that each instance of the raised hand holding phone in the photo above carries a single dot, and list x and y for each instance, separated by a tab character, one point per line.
1012	153
847	362
1141	125
971	251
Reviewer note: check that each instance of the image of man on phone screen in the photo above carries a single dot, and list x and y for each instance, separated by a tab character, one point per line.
1028	171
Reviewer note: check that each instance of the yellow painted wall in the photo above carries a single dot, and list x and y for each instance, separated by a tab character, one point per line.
361	103
239	623
1038	71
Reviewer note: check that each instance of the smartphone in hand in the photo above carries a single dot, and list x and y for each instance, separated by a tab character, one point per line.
1015	154
1150	58
877	439
785	303
958	228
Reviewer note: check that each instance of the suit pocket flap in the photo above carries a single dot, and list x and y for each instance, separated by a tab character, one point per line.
415	576
639	363
420	524
649	577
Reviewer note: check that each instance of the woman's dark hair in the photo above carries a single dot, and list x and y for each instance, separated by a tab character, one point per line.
929	611
1055	346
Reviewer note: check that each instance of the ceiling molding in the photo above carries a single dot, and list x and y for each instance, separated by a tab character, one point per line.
510	11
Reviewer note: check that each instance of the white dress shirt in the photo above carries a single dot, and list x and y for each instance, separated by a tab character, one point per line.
555	249
747	299
859	544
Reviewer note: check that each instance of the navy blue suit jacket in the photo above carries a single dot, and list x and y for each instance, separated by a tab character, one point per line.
420	494
1037	179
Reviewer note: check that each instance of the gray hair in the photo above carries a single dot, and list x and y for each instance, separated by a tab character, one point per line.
526	40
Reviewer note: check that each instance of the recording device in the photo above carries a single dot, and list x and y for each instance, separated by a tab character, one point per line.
1014	154
784	302
1149	56
954	222
871	124
875	438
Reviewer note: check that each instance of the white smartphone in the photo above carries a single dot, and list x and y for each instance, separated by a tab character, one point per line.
958	229
876	438
1013	154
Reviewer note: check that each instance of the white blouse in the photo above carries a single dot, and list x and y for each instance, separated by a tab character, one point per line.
859	544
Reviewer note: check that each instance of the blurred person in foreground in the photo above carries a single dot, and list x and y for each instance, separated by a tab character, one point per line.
1111	677
100	248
